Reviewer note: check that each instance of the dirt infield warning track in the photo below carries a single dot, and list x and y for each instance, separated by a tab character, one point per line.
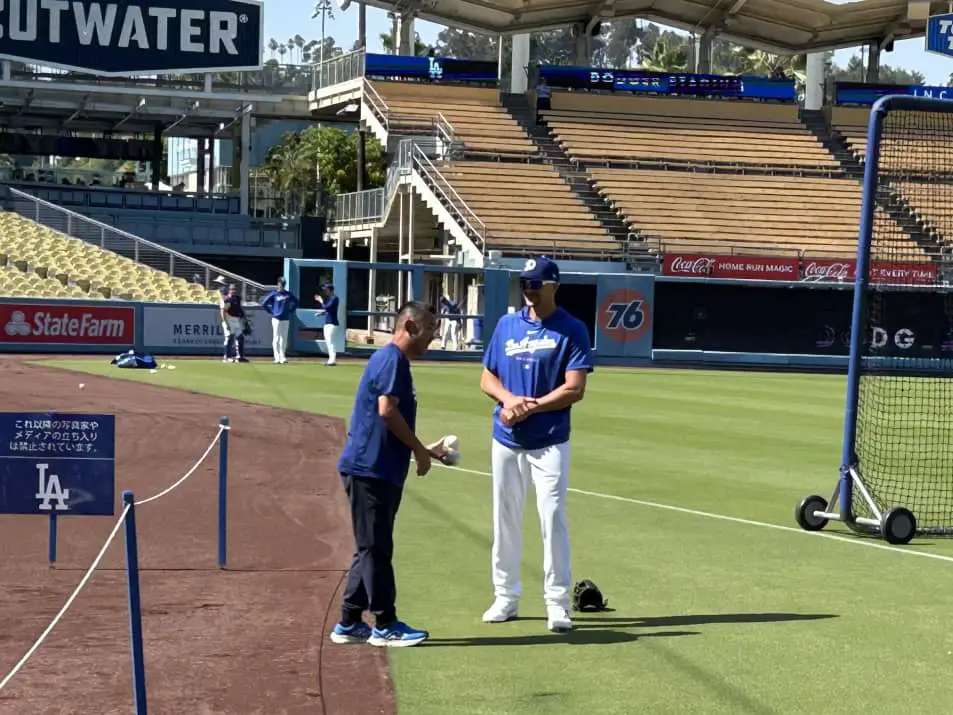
248	640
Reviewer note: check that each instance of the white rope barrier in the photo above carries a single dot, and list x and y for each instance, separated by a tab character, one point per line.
189	473
99	557
69	602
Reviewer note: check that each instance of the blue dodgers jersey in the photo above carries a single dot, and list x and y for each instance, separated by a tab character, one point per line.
280	304
372	450
331	311
531	359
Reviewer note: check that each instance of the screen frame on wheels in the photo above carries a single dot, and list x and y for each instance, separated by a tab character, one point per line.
898	524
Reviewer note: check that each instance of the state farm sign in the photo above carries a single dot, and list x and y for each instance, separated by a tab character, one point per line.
67	324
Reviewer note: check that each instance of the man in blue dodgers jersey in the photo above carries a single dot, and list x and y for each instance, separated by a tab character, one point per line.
373	466
282	305
332	323
535	369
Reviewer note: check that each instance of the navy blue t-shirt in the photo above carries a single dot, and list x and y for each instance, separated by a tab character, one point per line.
531	359
331	310
372	450
233	306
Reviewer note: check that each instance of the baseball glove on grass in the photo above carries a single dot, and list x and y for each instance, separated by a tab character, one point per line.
586	596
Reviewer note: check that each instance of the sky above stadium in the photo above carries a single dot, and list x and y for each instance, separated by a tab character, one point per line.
284	19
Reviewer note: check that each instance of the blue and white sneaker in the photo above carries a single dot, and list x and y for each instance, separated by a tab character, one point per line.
356	633
398	635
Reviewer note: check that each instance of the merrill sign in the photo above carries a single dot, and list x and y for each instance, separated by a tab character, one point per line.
120	38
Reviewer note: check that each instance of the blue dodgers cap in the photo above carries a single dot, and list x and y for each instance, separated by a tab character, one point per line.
540	268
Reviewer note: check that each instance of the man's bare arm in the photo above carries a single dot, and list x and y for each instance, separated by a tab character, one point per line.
387	409
566	395
491	385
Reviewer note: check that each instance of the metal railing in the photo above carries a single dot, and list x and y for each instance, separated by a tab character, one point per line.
373	205
449	197
273	78
125	244
376	103
338	70
444	134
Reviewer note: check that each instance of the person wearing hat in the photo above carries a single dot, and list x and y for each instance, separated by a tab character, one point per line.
282	304
222	288
332	325
534	369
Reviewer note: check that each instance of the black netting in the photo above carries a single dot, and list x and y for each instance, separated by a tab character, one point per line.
904	436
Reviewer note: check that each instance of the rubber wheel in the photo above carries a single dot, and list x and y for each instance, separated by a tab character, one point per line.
805	513
898	526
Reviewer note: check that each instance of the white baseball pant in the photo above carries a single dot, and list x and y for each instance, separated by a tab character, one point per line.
548	468
331	340
448	333
279	341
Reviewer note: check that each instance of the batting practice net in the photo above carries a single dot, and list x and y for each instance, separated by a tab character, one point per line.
898	432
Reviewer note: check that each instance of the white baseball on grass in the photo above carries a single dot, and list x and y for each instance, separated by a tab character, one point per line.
82	385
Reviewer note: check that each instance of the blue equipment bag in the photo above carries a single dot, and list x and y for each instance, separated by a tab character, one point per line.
133	359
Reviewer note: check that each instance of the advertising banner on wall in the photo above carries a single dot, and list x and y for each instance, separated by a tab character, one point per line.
793	269
121	38
187	329
72	324
624	318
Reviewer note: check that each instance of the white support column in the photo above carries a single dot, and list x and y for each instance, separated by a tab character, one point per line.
814	85
339	254
7	70
208	82
410	241
372	285
405	34
703	52
520	62
401	192
243	166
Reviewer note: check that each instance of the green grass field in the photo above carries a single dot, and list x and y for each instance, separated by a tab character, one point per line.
711	615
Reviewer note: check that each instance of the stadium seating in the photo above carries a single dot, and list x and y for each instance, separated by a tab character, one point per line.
665	131
475	113
36	261
741	213
527	206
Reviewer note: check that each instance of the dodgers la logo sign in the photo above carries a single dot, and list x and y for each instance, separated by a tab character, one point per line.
122	37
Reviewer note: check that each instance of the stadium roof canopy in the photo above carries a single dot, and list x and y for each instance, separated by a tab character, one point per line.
780	26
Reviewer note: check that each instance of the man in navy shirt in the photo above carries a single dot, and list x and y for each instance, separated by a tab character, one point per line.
373	467
282	305
332	326
233	325
449	310
535	368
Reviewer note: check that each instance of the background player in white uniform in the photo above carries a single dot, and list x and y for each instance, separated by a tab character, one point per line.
535	369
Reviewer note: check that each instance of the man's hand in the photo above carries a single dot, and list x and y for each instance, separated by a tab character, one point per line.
422	457
516	410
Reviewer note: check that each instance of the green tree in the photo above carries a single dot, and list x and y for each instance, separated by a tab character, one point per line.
320	160
387	41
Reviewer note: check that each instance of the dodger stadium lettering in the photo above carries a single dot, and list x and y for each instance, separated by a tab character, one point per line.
128	38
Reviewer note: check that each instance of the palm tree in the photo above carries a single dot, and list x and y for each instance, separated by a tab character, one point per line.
665	58
273	46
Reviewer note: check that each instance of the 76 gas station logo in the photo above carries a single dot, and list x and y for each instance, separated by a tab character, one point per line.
625	315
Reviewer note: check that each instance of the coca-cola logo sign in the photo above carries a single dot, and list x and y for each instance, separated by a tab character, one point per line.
700	266
827	271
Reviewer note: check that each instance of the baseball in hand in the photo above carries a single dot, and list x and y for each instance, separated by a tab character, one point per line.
451	447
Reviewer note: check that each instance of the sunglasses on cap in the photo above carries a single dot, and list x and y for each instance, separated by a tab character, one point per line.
534	283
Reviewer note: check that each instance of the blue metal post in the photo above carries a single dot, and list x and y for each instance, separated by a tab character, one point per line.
861	280
135	610
223	493
52	537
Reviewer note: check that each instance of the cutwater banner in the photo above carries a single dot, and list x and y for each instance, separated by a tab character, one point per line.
125	38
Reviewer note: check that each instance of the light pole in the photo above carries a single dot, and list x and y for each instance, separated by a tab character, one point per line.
324	9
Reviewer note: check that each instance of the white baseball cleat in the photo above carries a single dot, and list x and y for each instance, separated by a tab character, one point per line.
557	619
501	611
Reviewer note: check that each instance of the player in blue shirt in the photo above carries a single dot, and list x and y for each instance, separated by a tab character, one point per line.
282	305
535	368
332	324
373	466
450	324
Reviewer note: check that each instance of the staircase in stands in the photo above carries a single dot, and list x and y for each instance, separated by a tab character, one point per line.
893	203
518	107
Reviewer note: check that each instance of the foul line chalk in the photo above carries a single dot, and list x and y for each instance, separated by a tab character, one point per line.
736	520
69	601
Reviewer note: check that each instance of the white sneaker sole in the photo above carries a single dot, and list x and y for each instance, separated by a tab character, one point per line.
501	617
345	640
392	643
559	627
